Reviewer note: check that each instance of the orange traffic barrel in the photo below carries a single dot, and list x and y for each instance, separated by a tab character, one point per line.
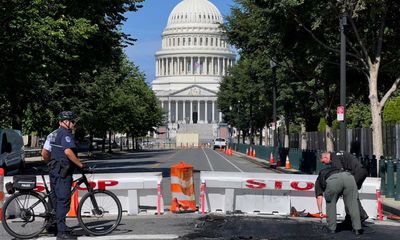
182	188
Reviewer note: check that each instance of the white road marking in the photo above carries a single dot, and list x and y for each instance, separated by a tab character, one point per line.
123	237
212	168
240	170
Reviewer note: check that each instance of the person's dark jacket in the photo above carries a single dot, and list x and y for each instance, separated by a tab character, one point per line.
348	162
324	174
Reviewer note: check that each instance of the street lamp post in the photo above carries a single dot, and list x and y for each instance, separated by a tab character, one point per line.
343	23
273	66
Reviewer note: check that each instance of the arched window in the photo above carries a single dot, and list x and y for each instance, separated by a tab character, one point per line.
183	41
201	41
179	41
206	41
190	41
212	41
195	41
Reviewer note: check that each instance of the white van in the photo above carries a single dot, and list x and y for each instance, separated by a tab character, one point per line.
12	156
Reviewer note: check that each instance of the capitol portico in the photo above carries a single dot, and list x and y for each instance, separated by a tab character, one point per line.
193	59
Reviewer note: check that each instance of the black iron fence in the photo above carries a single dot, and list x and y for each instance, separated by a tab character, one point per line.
359	141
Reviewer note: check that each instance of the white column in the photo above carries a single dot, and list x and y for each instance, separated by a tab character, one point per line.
198	111
184	111
206	68
205	112
169	111
156	68
178	64
218	67
223	66
220	116
176	111
212	66
212	112
162	104
184	66
191	111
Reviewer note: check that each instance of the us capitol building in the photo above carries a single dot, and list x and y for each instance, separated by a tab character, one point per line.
193	59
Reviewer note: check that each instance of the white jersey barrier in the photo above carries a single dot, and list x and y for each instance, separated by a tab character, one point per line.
270	193
137	192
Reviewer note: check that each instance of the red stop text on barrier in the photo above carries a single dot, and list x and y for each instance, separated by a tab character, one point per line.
101	184
302	186
255	184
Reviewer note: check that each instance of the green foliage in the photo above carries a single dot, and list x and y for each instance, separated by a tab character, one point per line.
391	112
358	115
51	51
322	125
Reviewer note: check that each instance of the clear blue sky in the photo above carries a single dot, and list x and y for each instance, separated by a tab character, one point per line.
147	25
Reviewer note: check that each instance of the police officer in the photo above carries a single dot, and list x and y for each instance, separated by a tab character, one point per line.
331	184
63	161
347	162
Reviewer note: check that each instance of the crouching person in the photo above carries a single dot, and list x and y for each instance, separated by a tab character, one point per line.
331	184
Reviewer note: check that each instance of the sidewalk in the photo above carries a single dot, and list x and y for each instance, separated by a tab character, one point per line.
389	205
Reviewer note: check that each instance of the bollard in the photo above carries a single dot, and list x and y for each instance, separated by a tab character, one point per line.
374	163
397	189
382	175
389	178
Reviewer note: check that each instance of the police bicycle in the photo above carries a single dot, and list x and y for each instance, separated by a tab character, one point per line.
26	213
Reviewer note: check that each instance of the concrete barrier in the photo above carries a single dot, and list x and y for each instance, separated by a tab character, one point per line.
270	193
138	192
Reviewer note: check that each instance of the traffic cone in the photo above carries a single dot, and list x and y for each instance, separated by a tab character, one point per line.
254	153
287	163
230	151
74	204
272	160
247	151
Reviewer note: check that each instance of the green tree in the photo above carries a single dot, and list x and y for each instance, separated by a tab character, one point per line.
358	115
391	112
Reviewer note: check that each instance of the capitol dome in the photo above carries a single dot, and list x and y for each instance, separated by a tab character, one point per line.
193	59
194	11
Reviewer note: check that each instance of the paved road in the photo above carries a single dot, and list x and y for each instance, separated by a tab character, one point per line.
195	226
202	159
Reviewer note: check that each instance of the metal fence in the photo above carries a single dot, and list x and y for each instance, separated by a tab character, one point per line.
359	141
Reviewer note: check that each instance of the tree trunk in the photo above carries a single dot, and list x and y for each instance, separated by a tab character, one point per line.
303	137
376	109
329	138
261	137
287	133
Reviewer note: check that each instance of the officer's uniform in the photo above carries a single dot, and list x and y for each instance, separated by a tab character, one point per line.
348	162
332	183
62	139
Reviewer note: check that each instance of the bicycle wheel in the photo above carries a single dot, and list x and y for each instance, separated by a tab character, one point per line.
25	215
105	218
